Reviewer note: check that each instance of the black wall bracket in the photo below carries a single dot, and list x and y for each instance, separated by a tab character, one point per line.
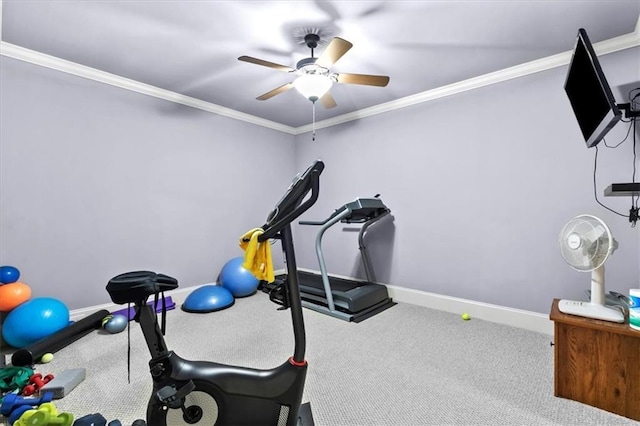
622	190
628	112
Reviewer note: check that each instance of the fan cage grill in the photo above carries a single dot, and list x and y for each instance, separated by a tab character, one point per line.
585	243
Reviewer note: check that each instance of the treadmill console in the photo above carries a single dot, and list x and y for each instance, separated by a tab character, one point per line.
363	209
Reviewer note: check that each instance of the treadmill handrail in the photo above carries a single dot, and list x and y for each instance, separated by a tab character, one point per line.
313	222
335	213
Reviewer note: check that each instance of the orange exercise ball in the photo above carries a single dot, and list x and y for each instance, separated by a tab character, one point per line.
13	294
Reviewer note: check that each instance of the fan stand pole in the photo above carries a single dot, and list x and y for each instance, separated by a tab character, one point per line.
597	286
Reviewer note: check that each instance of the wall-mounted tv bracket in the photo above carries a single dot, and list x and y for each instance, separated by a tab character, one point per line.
626	189
628	112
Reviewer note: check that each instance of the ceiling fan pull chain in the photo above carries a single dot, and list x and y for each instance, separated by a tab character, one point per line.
313	135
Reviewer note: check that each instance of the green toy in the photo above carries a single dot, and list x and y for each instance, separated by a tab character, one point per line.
45	415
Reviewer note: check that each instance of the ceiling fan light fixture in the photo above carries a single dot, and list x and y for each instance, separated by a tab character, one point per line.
313	86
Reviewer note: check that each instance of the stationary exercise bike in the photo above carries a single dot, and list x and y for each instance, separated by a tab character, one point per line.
209	393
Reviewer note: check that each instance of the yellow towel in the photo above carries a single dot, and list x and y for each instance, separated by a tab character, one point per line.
257	257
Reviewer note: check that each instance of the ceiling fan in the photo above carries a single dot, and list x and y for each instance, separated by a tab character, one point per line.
314	77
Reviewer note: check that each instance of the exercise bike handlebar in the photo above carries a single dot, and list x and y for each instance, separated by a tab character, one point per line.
291	205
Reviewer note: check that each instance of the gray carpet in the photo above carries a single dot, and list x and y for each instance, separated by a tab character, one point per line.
406	366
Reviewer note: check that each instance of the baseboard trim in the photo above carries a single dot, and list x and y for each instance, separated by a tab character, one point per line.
527	320
520	318
178	296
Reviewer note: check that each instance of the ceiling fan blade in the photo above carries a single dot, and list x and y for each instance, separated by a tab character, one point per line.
334	51
327	101
366	79
265	63
275	91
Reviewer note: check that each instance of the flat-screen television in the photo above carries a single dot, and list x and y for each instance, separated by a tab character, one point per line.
589	93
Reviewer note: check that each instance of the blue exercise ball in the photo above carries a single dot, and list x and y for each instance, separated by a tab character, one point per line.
34	320
238	280
208	298
9	274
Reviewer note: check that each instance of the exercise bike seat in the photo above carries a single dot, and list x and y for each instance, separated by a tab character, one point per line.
137	286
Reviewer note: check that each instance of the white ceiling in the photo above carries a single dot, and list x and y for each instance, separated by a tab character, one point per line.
191	47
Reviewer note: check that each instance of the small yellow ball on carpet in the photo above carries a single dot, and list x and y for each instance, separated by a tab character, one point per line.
46	358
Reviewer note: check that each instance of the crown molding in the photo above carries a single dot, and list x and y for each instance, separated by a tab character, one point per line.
616	44
52	62
1	19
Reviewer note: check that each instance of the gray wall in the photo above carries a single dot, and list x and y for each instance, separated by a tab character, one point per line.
480	185
96	181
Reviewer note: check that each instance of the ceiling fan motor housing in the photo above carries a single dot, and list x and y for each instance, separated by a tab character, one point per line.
306	62
312	40
308	66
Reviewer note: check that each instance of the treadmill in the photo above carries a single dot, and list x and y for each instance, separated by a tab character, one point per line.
349	300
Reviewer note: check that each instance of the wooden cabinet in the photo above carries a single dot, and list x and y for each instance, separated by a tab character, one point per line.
597	363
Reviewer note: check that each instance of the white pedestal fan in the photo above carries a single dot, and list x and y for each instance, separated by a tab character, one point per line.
586	243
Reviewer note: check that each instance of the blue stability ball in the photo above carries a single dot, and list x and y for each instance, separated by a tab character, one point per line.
239	281
208	298
9	274
34	320
116	324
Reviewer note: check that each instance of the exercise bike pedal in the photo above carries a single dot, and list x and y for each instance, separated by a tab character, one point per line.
172	397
